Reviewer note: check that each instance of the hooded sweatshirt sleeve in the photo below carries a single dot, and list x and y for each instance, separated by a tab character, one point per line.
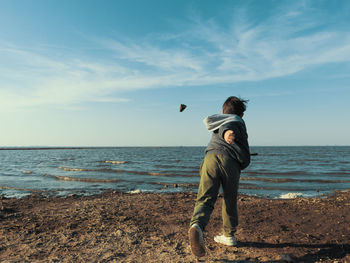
239	149
237	128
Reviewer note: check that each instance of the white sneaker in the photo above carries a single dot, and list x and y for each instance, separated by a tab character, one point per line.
195	236
228	241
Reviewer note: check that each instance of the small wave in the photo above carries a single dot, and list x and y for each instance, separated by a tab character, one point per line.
291	195
137	191
165	166
276	188
168	161
23	189
106	170
74	169
257	173
175	185
177	166
339	173
154	173
115	162
271	154
78	179
27	172
290	180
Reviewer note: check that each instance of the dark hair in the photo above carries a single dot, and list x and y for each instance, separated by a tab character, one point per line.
234	105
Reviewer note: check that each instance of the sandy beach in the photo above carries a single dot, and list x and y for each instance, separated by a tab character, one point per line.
148	227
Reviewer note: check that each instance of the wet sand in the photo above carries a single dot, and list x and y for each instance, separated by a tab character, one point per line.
145	227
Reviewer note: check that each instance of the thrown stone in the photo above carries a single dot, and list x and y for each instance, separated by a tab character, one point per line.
182	107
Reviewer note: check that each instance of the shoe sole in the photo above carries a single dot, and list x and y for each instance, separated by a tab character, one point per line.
197	247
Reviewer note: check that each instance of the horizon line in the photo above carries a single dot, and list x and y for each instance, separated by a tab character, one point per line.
2	148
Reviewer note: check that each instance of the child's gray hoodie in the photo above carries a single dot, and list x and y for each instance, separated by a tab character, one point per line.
239	149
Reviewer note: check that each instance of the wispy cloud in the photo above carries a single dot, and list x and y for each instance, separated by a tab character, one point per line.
205	54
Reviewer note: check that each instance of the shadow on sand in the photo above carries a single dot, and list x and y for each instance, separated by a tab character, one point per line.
325	252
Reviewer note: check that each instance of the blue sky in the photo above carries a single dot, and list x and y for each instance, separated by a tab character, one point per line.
113	73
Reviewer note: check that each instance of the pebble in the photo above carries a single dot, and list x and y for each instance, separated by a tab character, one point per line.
119	233
287	257
177	246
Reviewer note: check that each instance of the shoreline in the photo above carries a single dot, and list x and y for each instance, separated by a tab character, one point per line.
26	192
152	227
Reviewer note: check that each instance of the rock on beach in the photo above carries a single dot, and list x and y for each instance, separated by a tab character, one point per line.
151	227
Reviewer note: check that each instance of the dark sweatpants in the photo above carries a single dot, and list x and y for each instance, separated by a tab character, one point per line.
216	170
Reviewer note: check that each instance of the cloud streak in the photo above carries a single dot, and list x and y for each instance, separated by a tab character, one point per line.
205	54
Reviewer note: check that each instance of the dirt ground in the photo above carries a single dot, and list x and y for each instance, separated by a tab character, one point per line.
146	227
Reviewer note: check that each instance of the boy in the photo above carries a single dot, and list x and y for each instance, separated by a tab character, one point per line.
226	155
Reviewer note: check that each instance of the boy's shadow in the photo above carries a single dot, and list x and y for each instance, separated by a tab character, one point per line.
326	251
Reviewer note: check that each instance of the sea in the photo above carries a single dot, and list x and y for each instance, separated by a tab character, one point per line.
274	172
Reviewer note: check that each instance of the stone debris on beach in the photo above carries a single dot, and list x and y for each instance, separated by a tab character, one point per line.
151	227
182	107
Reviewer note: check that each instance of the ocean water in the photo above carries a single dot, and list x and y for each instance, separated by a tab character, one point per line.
275	172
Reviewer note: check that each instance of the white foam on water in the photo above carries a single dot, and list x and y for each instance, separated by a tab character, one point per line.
115	162
137	191
291	195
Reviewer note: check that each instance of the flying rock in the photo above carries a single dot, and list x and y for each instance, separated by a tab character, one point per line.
182	107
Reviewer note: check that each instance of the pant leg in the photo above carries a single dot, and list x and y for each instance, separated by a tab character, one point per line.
207	191
230	182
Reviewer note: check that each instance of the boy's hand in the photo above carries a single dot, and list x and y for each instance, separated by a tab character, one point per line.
229	136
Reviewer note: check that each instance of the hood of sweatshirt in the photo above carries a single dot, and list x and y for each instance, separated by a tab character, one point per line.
215	121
